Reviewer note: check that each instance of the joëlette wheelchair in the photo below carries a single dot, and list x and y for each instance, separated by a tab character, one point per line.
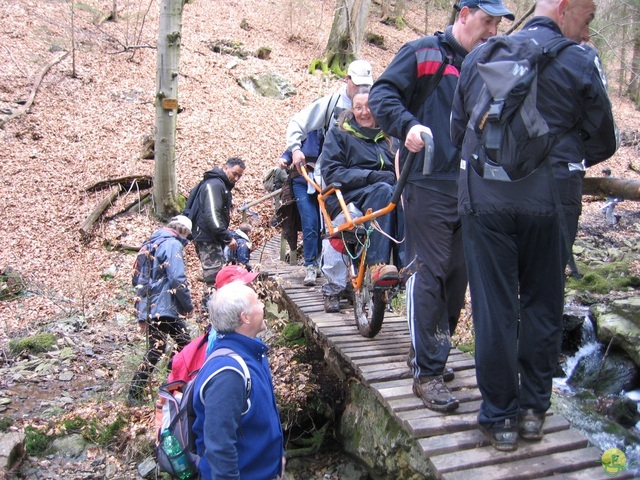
369	301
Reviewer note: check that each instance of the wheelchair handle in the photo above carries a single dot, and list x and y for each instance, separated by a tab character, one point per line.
408	164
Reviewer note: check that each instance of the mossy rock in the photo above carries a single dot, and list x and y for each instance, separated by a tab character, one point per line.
12	284
293	331
42	342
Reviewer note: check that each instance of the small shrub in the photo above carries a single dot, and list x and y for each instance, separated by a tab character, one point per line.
5	423
37	442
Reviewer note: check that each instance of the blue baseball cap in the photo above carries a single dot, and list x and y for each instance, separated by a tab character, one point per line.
495	8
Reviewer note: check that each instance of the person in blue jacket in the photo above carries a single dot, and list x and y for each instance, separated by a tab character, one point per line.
237	437
167	299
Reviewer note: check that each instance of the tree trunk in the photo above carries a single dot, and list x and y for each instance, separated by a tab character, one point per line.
347	33
165	184
612	187
634	86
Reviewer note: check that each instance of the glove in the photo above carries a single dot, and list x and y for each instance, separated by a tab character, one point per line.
381	176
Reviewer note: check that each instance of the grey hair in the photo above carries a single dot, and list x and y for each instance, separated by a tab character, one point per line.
226	306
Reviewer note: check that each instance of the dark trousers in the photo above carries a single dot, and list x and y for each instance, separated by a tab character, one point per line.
158	330
376	197
435	292
516	277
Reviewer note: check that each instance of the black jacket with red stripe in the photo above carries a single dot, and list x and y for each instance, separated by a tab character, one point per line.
396	107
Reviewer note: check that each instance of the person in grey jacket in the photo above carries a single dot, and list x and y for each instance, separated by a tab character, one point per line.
166	300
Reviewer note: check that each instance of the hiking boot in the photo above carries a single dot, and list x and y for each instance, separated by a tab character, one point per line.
310	277
435	394
331	303
384	275
502	435
530	425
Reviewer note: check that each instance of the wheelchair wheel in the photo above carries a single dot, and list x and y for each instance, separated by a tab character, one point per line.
369	306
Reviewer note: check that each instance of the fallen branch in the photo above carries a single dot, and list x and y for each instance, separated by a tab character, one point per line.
36	85
111	245
133	207
99	210
143	182
612	187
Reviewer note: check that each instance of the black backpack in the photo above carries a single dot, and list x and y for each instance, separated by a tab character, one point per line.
192	208
178	414
513	137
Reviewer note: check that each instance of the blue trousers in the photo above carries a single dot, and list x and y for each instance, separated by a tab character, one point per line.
310	219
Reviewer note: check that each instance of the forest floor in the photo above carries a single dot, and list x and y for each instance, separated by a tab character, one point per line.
90	114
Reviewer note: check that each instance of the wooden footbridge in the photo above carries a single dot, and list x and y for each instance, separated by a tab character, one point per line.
451	442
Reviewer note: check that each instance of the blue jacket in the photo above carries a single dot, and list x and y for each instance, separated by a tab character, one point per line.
168	292
232	445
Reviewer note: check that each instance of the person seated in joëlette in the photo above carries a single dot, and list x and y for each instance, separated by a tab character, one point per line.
359	156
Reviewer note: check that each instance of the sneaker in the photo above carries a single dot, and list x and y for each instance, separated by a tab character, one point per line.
384	275
530	425
502	435
435	394
331	303
310	277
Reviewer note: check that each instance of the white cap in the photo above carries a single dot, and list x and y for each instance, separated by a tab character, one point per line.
360	72
184	221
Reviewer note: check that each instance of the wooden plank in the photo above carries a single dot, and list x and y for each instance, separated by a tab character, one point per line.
562	441
453	443
554	464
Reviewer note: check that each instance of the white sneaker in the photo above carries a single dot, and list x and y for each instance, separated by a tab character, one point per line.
310	277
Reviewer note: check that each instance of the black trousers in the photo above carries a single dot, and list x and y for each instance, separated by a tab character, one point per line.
159	330
435	292
516	279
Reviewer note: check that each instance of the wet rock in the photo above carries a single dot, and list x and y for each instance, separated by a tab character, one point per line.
71	446
606	375
12	450
619	323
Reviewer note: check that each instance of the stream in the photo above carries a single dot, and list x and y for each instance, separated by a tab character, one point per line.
577	404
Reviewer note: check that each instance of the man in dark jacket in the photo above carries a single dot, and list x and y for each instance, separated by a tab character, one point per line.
516	234
162	304
412	96
211	232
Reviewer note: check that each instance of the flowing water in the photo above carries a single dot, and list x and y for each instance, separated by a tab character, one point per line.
594	425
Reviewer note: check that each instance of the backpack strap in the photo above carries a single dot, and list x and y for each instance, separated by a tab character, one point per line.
246	375
425	85
331	107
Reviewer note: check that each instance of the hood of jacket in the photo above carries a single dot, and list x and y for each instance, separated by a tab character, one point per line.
217	172
165	233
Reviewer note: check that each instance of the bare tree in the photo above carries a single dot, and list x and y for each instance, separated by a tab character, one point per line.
165	184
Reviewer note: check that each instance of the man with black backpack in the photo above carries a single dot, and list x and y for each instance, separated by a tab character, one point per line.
413	96
163	297
520	208
209	207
